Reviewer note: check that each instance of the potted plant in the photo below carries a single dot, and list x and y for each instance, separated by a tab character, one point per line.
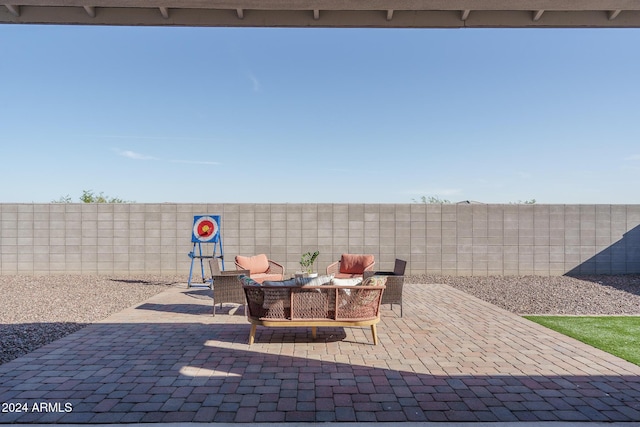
306	262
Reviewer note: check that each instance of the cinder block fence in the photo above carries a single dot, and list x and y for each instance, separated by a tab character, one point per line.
448	239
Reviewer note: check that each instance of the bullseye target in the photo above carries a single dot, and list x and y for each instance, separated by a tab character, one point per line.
205	228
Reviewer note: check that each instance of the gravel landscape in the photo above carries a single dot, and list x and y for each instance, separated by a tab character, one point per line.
37	310
583	295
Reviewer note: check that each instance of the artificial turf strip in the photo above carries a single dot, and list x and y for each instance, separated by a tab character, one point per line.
618	335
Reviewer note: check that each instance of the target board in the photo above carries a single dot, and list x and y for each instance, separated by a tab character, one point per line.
206	229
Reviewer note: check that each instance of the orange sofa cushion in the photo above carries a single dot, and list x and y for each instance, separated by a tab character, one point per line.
262	277
255	264
355	264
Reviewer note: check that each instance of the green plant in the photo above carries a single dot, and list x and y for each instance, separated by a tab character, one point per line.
307	260
63	199
432	200
88	196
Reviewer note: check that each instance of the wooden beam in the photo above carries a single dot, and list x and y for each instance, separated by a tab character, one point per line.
351	5
14	9
164	11
240	13
335	13
537	15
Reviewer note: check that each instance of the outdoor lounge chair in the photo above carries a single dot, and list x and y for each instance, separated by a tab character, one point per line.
225	285
260	267
351	266
395	281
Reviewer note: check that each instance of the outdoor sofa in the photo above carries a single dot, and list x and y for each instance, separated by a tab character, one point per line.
322	301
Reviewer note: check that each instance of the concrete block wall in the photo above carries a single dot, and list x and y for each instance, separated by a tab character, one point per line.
449	239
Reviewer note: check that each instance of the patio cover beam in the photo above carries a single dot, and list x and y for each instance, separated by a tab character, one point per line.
537	15
13	9
614	14
329	13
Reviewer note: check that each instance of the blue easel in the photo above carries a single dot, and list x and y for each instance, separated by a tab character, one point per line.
206	230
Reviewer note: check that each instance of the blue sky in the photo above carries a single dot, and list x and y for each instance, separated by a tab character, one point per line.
211	115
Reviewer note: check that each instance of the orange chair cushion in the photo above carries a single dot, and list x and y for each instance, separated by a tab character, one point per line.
355	264
255	264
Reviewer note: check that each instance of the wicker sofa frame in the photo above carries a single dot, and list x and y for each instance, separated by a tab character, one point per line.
313	306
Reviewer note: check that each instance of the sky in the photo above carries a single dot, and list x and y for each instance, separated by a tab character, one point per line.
258	115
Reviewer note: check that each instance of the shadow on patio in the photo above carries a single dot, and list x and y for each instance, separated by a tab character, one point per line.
458	359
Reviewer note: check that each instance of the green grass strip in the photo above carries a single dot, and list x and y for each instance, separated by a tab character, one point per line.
618	335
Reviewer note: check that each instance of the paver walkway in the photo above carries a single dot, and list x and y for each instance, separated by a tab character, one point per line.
451	358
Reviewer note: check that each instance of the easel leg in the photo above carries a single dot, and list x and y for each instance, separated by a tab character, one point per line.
252	334
201	263
192	255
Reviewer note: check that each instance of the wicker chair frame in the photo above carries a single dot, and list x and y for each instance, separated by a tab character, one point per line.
225	285
395	282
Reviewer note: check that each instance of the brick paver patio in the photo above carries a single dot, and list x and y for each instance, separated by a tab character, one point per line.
451	358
